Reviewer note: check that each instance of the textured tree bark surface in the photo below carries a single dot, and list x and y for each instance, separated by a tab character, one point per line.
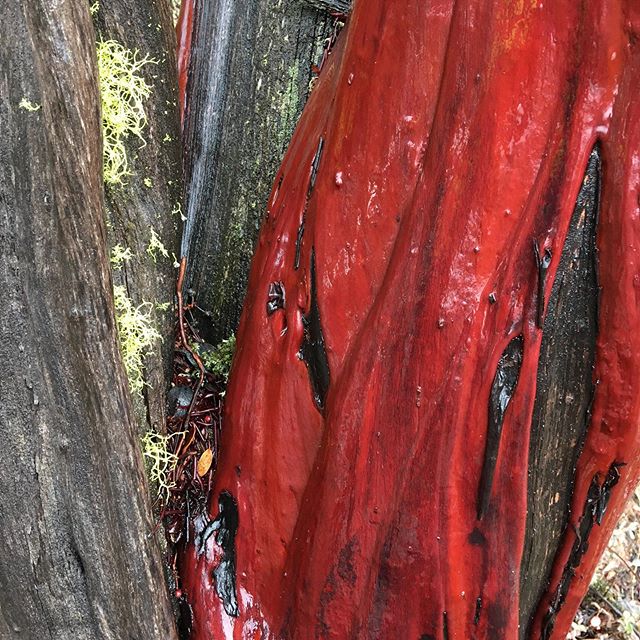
564	393
76	556
431	343
249	74
137	207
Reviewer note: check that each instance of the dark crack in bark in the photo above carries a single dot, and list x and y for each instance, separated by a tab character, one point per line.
564	394
312	349
502	390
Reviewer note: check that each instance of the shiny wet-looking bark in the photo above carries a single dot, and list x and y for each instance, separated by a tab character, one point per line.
390	387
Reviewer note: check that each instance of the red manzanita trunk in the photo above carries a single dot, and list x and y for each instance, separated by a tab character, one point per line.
373	471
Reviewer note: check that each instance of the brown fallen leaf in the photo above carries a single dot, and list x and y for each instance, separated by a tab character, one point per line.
204	463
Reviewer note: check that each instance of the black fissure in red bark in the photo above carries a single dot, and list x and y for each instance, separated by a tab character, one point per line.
312	349
502	390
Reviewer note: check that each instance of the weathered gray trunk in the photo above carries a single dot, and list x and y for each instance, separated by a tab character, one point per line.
76	556
149	199
250	73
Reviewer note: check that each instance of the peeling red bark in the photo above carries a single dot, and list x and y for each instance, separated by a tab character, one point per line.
394	271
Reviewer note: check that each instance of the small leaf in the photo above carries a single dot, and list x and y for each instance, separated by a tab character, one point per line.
204	463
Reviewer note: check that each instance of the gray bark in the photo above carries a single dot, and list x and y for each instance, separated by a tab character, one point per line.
136	208
76	556
249	79
339	6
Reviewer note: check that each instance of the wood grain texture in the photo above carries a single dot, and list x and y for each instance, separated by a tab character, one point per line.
564	394
249	78
76	557
330	5
135	208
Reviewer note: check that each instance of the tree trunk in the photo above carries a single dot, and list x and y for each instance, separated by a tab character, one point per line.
147	204
77	559
249	77
434	391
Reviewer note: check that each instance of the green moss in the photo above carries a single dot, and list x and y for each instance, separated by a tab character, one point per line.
289	105
627	625
123	92
160	461
137	335
218	360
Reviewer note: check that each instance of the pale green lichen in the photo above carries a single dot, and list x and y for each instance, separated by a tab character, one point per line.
148	183
94	8
119	256
178	210
175	10
27	105
123	92
137	335
156	247
160	461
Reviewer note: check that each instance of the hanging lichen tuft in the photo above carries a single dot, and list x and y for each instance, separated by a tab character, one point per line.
122	91
137	335
135	325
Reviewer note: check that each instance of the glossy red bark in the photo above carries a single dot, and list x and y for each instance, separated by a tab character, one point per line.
453	136
184	32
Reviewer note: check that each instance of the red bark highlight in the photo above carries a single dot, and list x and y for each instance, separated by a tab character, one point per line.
184	31
454	136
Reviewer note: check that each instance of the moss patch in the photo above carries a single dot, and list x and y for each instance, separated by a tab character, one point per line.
289	105
217	360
